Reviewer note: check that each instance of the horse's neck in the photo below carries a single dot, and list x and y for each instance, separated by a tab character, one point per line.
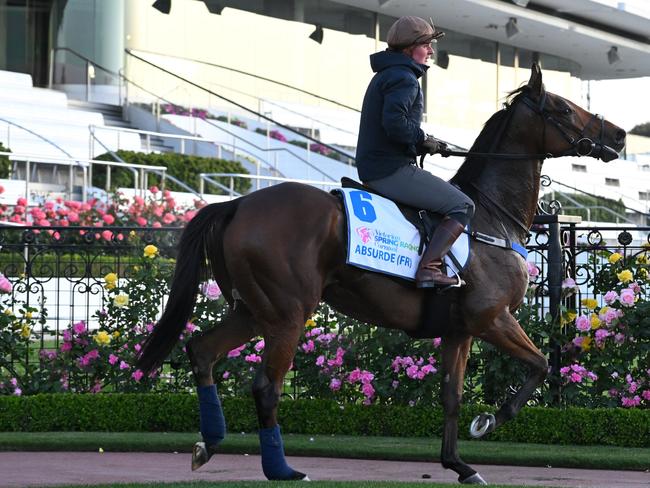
513	185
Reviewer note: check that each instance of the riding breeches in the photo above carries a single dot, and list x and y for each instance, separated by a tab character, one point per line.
419	188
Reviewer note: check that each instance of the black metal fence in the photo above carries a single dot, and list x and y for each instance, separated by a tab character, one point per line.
62	271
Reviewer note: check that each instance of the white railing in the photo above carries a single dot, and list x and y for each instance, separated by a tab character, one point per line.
220	146
230	188
140	171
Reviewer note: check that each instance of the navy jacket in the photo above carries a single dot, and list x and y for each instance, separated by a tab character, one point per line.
389	131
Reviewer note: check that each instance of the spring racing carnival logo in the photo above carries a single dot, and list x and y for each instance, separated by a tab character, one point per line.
365	234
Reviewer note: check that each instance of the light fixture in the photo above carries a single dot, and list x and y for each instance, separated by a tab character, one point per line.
521	3
442	59
612	55
317	35
163	6
214	6
511	28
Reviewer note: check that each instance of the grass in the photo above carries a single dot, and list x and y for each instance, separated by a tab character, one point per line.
389	448
285	484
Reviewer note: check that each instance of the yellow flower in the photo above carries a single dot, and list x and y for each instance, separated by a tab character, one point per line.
642	259
568	317
615	258
586	344
28	315
116	334
103	338
150	251
121	300
111	281
589	303
310	323
132	233
25	332
595	321
625	276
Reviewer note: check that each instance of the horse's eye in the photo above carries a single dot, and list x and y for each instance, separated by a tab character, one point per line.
567	111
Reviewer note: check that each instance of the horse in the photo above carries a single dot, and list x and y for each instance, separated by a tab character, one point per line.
277	252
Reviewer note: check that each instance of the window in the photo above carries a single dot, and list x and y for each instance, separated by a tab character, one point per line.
612	182
644	195
579	168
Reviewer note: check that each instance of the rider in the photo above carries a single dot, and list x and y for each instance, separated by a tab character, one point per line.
390	139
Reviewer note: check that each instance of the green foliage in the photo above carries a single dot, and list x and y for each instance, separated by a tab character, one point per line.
641	129
185	168
5	164
595	214
179	413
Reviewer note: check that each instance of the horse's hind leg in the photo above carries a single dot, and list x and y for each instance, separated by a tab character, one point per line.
454	361
280	347
204	350
507	335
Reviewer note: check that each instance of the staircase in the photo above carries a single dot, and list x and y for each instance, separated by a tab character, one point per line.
113	116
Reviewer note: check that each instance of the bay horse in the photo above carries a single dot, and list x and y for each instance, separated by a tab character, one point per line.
277	252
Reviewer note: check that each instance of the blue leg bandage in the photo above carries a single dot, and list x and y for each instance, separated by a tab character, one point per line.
274	464
213	425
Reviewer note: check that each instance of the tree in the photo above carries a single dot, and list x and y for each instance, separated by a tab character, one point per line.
641	129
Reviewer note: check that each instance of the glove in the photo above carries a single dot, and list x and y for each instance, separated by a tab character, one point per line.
431	145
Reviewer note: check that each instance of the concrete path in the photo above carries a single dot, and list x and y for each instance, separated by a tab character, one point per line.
23	469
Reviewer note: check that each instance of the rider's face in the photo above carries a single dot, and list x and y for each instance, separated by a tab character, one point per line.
422	52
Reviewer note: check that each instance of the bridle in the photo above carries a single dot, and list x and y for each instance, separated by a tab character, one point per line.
580	145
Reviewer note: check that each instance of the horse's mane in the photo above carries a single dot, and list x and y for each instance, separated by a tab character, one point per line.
486	141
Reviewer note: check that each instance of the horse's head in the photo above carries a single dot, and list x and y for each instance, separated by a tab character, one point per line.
569	130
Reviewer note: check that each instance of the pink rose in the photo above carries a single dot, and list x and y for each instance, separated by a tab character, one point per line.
335	384
583	323
627	297
610	297
5	284
108	218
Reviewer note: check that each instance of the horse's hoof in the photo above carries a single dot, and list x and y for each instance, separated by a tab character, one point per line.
475	479
482	424
200	455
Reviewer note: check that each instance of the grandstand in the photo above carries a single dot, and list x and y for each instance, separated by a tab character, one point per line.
290	110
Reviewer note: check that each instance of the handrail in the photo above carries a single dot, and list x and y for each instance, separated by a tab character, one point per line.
255	76
9	122
119	74
114	155
166	176
208	177
257	114
182	137
598	197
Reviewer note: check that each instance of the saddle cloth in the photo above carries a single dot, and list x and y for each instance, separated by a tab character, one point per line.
381	239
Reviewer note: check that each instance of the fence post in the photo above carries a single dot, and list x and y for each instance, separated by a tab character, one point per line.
556	273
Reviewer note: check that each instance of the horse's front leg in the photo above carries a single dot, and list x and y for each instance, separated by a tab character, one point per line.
507	335
454	361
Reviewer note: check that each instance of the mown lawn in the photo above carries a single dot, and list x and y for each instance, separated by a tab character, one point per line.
389	448
286	484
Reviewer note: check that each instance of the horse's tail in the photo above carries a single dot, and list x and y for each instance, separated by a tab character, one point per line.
201	239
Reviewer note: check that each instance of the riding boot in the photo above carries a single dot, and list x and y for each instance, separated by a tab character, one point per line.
430	273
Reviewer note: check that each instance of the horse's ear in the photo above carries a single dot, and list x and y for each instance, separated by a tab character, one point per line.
535	82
